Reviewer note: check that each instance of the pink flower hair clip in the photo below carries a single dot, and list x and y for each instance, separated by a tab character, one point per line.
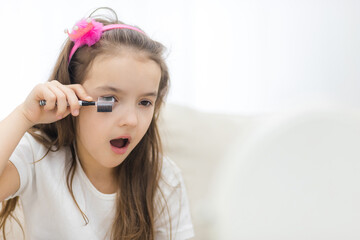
88	32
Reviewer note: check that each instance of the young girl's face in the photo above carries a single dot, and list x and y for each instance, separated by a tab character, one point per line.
104	140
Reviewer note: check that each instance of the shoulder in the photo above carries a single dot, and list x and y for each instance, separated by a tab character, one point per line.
36	164
37	147
170	173
173	213
28	149
33	141
169	167
32	154
29	140
171	183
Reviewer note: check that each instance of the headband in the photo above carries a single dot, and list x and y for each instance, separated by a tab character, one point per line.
88	32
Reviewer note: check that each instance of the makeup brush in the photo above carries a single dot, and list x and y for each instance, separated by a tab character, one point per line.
103	104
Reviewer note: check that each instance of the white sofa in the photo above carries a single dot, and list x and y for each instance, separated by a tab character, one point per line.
198	142
293	175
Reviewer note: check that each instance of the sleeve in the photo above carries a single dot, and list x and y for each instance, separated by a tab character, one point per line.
23	159
173	210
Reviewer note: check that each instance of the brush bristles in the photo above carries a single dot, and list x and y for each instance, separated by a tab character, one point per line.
105	107
105	104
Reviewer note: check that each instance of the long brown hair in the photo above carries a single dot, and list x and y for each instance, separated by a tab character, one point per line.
138	176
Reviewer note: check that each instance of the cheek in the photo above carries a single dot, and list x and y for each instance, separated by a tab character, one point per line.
147	122
89	124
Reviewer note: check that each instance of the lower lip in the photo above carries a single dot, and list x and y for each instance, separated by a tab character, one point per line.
119	150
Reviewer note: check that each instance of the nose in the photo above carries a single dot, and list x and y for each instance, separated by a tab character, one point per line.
128	117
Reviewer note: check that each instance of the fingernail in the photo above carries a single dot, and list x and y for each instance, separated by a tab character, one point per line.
59	117
88	98
75	112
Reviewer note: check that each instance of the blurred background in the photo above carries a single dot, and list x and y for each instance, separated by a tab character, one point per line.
264	107
243	56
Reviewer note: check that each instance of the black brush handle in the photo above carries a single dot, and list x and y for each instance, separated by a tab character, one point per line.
81	103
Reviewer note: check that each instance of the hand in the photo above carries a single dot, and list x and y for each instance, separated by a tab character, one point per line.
61	100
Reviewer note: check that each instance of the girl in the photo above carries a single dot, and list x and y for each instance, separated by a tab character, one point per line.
84	174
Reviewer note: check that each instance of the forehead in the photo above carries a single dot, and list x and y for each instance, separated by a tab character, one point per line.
127	70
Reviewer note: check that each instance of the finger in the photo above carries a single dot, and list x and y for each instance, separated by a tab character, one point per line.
77	88
80	92
48	96
72	99
61	101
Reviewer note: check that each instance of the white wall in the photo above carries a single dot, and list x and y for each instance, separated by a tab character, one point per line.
225	56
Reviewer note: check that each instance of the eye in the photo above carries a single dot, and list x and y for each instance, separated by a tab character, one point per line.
145	103
110	98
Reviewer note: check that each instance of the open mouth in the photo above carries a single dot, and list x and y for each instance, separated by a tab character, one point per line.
120	142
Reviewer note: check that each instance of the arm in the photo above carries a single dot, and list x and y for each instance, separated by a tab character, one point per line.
12	128
28	114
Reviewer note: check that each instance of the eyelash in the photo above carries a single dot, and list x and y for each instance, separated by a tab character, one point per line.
145	103
115	99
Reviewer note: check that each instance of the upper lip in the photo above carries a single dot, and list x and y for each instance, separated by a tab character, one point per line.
128	137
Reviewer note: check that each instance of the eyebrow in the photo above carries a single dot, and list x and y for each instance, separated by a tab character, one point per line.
117	90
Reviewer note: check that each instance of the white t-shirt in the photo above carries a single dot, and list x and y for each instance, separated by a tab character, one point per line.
51	213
